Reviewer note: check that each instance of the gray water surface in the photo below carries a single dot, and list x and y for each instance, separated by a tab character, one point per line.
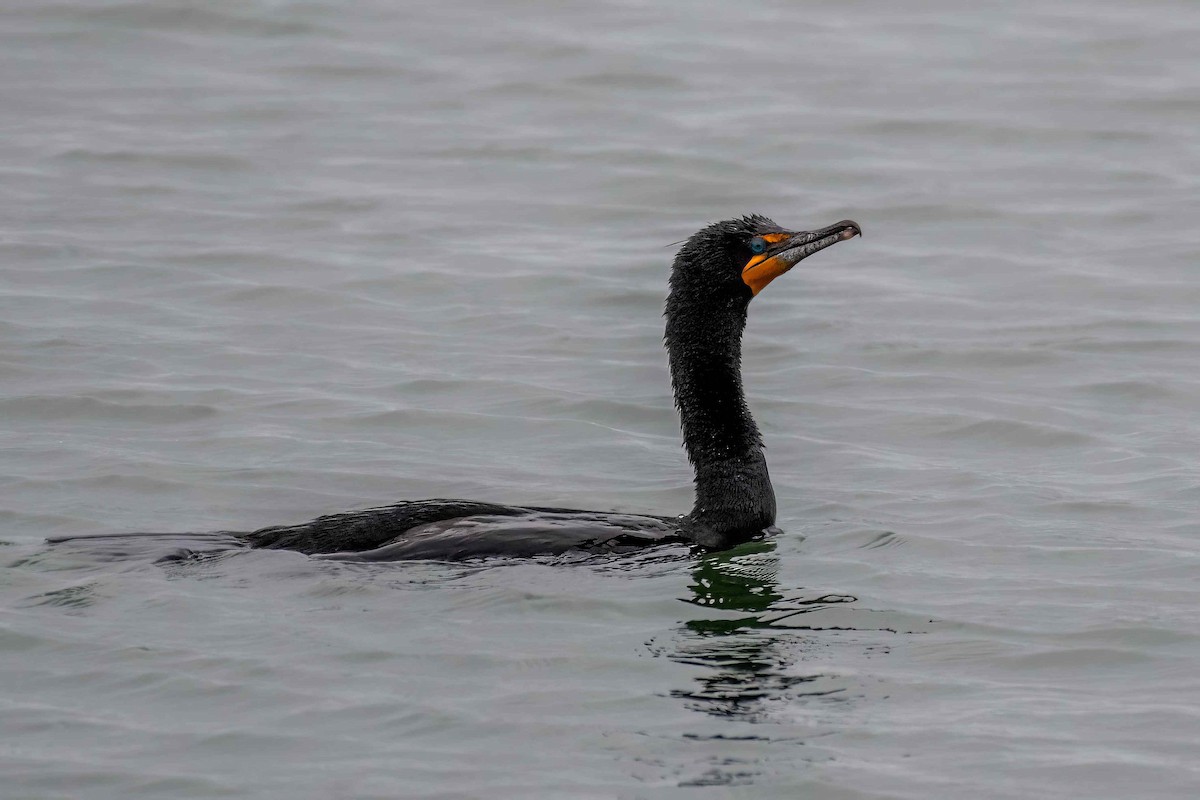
264	260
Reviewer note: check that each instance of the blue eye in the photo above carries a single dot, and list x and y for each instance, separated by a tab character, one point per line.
758	244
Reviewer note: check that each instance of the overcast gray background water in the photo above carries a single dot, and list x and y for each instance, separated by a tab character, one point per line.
267	260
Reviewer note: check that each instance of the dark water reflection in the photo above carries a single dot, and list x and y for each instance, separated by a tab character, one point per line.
752	666
755	650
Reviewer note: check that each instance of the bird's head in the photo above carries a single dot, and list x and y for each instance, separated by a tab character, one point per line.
716	273
737	258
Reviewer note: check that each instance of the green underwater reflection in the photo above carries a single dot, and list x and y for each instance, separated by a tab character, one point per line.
744	579
753	660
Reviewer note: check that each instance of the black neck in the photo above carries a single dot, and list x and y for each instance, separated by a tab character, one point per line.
734	497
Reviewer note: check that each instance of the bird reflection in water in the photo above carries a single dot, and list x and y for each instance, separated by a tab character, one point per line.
751	654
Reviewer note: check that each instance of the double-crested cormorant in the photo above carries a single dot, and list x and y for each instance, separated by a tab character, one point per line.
716	274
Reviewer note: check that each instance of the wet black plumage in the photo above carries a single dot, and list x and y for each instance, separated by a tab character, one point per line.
715	275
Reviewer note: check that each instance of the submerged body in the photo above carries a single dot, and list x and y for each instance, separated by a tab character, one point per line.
453	530
715	275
